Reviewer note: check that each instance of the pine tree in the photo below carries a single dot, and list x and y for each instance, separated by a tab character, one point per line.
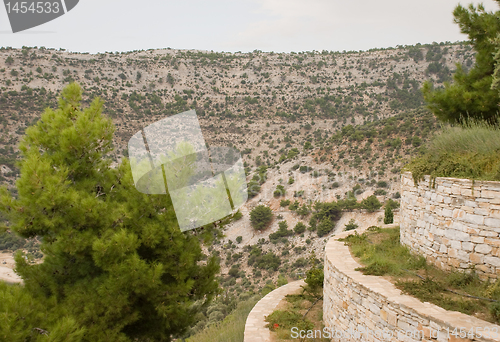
115	259
470	96
388	215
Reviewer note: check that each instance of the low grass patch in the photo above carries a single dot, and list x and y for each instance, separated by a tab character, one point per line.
291	314
468	151
381	253
231	329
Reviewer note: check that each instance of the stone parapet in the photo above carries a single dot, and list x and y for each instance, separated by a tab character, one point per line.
359	307
454	223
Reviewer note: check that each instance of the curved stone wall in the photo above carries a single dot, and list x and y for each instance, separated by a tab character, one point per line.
255	326
454	223
359	307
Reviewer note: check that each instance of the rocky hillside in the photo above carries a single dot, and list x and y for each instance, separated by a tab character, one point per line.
325	126
241	98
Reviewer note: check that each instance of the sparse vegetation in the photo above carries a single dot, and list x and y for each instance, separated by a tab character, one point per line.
260	217
382	254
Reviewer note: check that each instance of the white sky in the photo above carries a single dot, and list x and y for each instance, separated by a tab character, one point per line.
243	25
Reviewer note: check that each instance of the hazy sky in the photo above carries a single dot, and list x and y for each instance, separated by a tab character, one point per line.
243	25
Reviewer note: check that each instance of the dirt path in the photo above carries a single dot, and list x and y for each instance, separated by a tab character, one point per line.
7	270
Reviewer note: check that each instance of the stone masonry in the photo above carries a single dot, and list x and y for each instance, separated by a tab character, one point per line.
454	223
359	307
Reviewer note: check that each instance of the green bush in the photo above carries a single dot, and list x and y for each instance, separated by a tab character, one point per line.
284	203
382	184
299	228
325	227
280	191
294	206
260	217
281	232
351	225
371	203
314	279
388	216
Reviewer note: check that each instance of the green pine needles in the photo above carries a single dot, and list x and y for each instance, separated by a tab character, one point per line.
116	265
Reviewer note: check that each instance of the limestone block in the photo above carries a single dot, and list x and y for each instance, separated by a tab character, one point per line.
476	258
492	260
374	308
466	192
471	204
472	218
492	242
492	222
463	256
483	248
477	239
447	213
454	262
452	253
456	244
457	201
487	233
453	234
490	194
472	231
458	213
467	246
482	211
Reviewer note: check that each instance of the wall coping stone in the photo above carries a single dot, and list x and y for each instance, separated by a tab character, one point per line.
255	326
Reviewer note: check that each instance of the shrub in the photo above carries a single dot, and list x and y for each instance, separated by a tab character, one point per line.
303	210
351	225
234	271
260	217
284	203
282	280
253	188
389	216
371	203
314	279
392	204
280	191
239	239
269	287
294	206
300	262
281	232
237	215
382	184
325	227
299	228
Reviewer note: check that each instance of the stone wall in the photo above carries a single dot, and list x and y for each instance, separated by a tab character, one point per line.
454	223
359	307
